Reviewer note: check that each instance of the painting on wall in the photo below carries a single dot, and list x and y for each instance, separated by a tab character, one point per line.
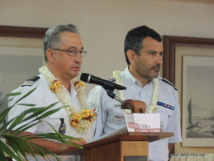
21	55
188	63
198	102
17	65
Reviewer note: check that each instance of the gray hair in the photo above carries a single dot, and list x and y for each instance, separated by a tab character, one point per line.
52	38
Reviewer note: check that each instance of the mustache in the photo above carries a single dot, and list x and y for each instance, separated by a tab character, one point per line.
155	66
76	65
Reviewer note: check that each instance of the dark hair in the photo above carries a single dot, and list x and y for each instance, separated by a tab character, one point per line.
52	39
135	37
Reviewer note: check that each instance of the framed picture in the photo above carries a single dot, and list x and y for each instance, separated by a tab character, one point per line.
189	64
21	54
198	111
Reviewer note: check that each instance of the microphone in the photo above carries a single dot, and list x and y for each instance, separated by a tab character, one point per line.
88	78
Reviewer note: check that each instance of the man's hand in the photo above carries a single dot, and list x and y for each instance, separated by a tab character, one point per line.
64	148
170	146
54	147
81	141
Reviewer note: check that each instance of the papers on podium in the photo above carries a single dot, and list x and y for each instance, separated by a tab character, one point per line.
143	122
117	132
138	122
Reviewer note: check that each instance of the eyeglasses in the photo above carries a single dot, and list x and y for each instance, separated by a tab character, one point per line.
73	52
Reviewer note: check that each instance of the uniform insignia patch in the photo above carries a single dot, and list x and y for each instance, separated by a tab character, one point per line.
30	81
119	118
93	106
166	105
168	82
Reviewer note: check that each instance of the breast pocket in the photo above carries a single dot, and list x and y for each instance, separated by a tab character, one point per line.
165	114
115	114
59	120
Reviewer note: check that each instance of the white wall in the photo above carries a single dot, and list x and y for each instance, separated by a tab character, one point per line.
103	24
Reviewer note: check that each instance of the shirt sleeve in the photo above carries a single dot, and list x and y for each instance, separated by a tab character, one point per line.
17	109
174	123
95	97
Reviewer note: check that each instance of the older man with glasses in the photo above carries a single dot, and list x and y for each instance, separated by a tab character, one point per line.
63	52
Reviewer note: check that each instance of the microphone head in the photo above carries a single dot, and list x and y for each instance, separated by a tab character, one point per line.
106	84
85	77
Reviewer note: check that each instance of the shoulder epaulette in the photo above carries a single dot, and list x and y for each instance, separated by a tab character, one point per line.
30	81
168	82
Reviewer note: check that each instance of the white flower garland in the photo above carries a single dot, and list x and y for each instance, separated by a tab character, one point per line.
116	75
153	106
81	125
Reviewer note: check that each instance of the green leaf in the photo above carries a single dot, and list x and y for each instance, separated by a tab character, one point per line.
18	145
28	93
4	115
22	143
2	155
7	150
61	138
21	129
12	94
34	117
16	121
25	104
25	120
33	114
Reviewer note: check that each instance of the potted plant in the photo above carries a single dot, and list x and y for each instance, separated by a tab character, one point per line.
19	144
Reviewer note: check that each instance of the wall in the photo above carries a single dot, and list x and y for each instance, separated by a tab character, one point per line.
104	24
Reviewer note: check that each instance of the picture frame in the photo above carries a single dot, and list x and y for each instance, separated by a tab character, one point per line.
13	39
19	31
21	55
175	69
198	112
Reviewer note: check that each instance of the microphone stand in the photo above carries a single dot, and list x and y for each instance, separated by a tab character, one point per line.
109	87
113	95
134	105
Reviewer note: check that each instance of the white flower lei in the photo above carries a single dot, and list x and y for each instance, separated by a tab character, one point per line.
153	106
83	125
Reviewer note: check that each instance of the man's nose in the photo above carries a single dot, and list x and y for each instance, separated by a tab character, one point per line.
78	57
159	60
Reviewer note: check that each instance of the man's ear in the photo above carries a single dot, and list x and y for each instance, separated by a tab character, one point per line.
131	56
50	55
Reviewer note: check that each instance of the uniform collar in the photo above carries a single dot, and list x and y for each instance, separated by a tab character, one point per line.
132	79
73	90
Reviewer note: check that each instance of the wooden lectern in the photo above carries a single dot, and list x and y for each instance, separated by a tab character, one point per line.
129	146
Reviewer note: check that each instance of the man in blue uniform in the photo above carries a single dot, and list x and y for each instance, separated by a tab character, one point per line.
143	52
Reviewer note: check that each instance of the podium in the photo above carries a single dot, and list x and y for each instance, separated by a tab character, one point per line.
129	146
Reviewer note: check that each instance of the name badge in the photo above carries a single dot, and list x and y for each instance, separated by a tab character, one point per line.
62	127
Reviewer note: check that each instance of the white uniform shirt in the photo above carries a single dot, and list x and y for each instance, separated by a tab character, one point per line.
43	97
111	117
